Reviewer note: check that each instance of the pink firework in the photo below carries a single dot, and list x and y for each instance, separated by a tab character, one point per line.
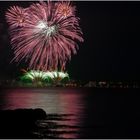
47	39
16	16
64	9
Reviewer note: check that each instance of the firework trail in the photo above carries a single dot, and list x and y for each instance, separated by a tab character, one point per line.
44	34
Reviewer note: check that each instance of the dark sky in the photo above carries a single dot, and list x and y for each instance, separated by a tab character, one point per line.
111	50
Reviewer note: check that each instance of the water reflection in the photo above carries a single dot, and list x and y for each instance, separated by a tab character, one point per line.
64	109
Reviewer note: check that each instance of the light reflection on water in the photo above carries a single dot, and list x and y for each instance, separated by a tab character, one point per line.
65	106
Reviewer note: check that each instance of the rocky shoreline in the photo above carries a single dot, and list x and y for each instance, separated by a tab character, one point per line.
20	123
34	124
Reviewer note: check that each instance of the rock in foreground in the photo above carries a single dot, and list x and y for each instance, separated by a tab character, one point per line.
19	123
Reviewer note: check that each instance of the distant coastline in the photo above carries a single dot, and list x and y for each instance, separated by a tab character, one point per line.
71	84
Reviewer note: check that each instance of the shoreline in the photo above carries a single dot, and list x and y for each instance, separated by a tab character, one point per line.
64	88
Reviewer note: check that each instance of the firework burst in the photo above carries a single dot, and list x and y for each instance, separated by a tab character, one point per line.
16	17
64	9
44	34
40	76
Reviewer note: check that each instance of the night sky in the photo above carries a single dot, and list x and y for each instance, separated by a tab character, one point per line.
111	48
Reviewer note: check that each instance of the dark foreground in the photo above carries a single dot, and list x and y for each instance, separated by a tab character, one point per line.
20	123
70	113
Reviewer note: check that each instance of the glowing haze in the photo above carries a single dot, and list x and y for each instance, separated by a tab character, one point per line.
44	34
